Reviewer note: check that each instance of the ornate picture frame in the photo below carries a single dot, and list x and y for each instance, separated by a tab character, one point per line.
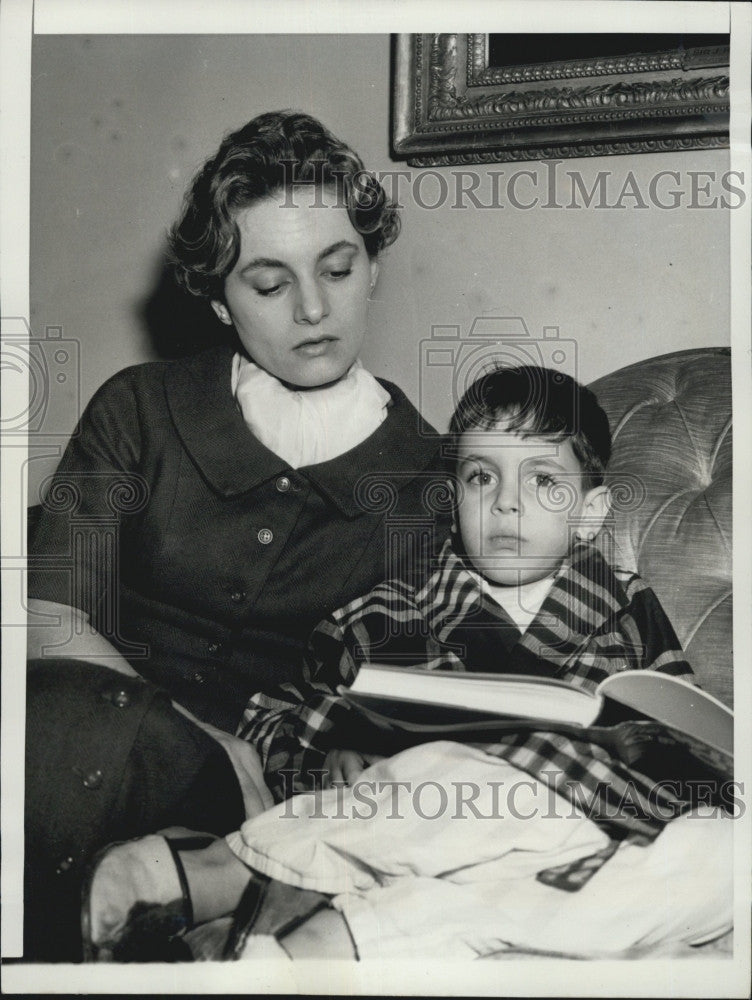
453	106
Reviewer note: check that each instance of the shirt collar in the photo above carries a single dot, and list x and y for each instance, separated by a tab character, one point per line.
584	595
211	427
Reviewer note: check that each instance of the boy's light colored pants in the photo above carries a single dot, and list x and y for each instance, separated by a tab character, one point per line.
435	851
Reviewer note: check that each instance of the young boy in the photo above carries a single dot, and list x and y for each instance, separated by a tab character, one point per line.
519	588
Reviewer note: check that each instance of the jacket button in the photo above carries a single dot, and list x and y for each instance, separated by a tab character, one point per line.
283	484
213	647
64	866
265	536
117	697
93	779
198	678
237	596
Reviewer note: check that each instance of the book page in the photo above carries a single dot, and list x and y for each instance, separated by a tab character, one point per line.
512	695
676	703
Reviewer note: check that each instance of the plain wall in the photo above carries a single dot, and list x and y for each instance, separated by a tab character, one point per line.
121	123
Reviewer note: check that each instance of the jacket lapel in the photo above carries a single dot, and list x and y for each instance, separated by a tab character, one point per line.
211	426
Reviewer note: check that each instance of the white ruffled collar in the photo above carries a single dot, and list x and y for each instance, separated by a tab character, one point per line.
305	427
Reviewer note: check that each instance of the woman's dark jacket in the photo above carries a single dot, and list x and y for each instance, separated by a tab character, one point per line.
200	553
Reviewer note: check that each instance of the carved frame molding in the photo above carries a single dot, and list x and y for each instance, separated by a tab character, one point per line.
450	107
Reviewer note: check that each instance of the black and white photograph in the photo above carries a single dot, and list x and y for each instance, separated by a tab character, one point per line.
376	563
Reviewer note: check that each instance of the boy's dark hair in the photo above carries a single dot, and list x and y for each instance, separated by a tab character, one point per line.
535	401
271	153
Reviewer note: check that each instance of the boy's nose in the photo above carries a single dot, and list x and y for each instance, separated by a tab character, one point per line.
507	499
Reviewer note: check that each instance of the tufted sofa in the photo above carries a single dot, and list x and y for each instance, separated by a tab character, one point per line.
671	477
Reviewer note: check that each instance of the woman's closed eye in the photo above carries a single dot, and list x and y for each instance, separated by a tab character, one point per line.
338	265
271	285
333	274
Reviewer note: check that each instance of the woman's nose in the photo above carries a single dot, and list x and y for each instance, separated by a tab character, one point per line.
311	305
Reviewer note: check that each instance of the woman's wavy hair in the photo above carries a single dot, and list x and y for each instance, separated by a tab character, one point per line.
534	401
272	153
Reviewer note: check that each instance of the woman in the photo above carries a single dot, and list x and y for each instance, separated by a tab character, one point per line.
208	512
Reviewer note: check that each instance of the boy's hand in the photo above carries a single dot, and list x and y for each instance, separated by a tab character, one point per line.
347	766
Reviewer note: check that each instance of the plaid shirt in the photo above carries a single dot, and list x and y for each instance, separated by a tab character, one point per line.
594	621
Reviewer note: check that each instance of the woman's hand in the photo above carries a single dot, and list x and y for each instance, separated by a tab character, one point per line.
347	766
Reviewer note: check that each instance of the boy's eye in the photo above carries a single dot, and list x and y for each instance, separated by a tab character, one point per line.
543	480
481	478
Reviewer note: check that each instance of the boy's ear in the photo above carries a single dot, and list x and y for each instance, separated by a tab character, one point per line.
452	487
451	484
595	507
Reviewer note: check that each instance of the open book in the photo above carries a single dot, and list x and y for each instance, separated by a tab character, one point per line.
631	713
